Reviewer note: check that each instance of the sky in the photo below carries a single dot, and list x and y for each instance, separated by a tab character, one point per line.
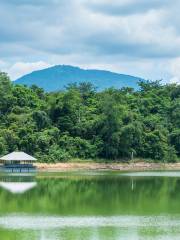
136	37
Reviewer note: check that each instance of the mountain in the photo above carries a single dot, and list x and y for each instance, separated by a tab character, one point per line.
57	77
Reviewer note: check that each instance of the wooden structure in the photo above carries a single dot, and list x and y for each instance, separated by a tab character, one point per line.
17	162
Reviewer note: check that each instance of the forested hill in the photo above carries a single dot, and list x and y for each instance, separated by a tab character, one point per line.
82	123
57	77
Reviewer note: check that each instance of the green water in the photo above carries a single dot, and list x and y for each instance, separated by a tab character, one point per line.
90	206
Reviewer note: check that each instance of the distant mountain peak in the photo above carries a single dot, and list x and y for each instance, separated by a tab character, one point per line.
57	77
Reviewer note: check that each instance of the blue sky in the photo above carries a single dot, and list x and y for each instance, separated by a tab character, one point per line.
136	37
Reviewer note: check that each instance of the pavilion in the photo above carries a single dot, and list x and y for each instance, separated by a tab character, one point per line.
17	162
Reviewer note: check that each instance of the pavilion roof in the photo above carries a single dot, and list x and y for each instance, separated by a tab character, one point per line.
18	156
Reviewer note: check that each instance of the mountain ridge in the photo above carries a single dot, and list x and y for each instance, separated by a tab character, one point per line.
57	77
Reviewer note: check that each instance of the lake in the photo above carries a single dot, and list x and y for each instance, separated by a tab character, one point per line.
90	206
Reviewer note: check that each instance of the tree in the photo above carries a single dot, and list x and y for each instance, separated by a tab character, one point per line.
175	140
111	125
6	101
42	119
80	122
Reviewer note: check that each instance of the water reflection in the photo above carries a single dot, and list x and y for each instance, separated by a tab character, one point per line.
90	207
24	227
17	184
153	174
25	222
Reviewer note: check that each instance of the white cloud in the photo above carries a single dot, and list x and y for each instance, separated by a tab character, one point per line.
175	71
136	37
3	65
175	80
20	68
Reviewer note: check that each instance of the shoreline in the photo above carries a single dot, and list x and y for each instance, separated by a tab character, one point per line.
140	166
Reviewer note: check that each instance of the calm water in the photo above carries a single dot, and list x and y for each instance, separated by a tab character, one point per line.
90	206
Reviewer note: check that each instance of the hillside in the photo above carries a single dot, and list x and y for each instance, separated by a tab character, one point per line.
85	124
57	77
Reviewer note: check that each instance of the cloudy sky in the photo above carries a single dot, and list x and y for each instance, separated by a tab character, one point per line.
137	37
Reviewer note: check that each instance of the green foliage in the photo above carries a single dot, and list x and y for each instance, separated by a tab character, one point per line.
54	154
82	123
171	155
41	118
175	139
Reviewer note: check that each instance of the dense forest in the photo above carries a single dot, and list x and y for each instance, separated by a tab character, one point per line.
81	122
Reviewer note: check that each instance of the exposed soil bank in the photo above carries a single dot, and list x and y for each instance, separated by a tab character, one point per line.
140	166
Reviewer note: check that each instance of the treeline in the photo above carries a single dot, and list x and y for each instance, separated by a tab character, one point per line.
80	122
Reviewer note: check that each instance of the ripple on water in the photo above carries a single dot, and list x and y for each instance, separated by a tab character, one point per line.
153	174
52	222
